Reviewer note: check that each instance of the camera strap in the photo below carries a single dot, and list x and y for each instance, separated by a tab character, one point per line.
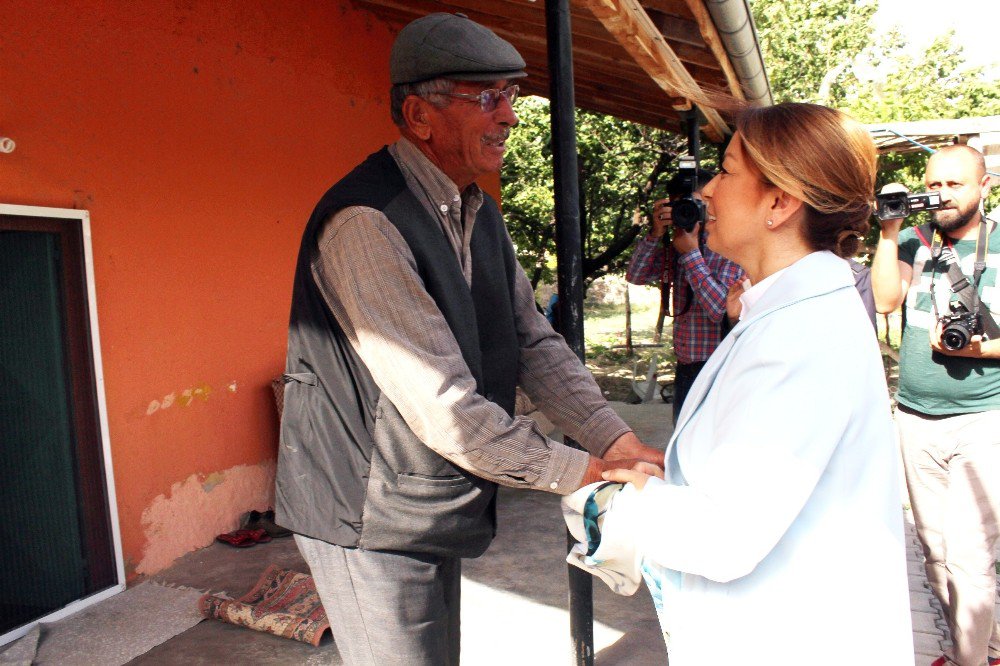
967	292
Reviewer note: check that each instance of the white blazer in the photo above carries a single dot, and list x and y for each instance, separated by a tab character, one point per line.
781	516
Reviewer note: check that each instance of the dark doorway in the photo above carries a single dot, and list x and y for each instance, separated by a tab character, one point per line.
56	522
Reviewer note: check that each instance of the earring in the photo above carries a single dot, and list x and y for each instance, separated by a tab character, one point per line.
770	223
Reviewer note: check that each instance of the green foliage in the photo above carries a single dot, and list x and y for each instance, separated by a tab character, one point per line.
808	45
622	166
825	51
526	183
938	84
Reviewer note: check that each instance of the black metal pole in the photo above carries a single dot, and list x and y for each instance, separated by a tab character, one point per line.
569	267
693	129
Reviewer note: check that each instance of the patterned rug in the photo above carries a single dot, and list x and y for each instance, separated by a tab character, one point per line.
283	602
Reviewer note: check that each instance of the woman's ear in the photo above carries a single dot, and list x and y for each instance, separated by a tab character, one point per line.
415	115
784	207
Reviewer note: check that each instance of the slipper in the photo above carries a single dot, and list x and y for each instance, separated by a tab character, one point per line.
237	539
258	536
244	538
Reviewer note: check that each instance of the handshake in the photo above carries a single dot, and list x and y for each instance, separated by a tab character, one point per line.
626	460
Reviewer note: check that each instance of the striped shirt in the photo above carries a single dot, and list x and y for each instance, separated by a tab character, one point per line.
370	282
702	279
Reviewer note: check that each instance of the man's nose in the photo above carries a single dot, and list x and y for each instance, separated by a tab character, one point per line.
505	114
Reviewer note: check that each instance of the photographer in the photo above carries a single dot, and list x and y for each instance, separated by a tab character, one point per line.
949	393
701	281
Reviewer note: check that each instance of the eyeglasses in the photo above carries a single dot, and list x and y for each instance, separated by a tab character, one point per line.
489	99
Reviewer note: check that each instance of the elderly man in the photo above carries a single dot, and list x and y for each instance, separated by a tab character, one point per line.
412	324
949	395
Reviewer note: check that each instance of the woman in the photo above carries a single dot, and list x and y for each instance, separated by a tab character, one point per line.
777	535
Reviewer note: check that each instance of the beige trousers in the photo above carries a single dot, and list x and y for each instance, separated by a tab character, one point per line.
952	469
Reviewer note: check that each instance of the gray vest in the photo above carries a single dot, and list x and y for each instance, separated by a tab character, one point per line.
350	471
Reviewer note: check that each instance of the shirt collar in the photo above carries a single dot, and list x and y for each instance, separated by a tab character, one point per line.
751	296
440	191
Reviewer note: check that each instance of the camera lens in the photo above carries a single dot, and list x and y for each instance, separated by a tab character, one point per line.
954	337
892	205
686	213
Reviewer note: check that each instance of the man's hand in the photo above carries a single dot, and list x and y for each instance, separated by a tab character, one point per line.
597	468
638	475
685	241
977	347
661	218
629	447
624	453
890	228
890	276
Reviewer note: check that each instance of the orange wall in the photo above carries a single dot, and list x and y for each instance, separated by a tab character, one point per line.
198	133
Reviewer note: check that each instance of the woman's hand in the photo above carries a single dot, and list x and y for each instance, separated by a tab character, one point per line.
640	473
733	304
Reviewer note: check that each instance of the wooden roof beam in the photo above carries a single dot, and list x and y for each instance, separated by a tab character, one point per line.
631	26
677	29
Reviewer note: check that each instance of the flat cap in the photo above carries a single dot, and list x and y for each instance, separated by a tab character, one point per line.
451	46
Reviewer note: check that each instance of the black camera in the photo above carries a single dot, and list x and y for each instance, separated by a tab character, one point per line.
958	327
687	211
894	205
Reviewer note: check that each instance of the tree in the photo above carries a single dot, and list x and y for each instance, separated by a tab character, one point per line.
621	168
825	51
938	84
809	46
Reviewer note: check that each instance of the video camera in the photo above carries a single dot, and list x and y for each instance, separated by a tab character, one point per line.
687	211
895	205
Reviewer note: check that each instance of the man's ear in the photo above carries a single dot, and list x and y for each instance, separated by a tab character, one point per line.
985	184
784	207
415	115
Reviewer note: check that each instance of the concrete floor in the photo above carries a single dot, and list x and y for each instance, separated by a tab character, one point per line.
518	588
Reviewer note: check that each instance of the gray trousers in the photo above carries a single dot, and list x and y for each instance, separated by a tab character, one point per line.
386	607
952	469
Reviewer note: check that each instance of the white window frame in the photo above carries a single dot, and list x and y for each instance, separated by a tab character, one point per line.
82	217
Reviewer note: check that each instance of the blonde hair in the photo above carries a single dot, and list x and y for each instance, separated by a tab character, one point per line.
823	157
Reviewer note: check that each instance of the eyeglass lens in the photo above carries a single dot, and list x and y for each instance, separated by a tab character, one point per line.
491	98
